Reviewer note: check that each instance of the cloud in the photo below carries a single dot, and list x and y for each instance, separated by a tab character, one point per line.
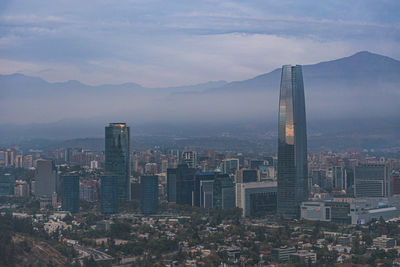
189	59
158	43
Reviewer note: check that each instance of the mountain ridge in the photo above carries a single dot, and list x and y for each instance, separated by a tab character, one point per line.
363	55
361	85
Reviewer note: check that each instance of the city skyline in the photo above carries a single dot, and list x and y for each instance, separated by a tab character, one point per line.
162	133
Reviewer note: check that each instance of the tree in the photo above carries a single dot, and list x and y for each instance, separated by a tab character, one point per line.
120	229
367	239
392	254
89	262
356	249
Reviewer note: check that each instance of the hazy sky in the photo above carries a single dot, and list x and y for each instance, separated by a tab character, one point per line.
165	43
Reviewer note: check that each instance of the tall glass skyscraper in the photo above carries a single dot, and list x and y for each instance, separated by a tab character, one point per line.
185	184
45	178
117	158
149	194
70	193
292	143
171	184
108	193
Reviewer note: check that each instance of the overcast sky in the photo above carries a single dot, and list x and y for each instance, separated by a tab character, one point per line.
165	43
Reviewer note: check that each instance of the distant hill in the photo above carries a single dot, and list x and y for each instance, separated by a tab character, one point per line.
363	69
359	87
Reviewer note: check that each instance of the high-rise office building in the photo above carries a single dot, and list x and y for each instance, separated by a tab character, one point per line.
21	188
7	183
164	165
339	181
171	184
18	161
67	154
190	158
371	180
185	185
3	158
45	178
150	168
175	153
8	157
395	180
86	192
108	192
292	143
27	162
198	194
136	191
349	178
230	166
149	194
206	193
318	177
117	157
224	192
70	193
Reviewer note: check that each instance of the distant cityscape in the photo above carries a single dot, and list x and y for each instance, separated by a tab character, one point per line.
164	206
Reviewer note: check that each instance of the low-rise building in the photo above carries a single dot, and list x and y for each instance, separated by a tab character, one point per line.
383	242
344	240
326	211
340	248
52	226
282	254
303	257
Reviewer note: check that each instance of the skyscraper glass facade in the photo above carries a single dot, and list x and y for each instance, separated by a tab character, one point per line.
185	185
292	143
7	183
206	193
262	203
45	178
201	176
109	201
70	193
224	192
371	180
149	194
117	156
171	184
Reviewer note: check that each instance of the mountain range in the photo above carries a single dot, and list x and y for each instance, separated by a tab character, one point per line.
364	86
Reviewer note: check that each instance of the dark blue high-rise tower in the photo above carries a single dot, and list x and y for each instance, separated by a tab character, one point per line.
108	193
292	143
117	158
149	194
70	193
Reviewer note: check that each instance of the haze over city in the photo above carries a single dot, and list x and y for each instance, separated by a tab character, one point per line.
153	44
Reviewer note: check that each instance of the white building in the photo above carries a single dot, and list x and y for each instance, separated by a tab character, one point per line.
94	164
383	242
190	158
256	195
